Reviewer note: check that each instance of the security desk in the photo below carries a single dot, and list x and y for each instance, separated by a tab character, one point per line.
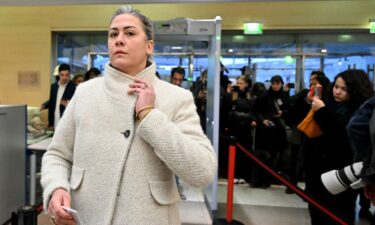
40	146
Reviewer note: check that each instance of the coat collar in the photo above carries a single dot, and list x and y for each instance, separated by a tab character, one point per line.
116	83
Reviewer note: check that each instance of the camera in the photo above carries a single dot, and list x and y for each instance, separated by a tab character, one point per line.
291	85
337	181
236	88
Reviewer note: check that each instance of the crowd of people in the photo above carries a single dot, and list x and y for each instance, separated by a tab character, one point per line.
109	143
265	122
276	116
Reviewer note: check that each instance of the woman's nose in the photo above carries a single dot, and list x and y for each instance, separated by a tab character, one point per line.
119	40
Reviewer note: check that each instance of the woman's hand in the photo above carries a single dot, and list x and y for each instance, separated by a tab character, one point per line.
317	103
146	94
60	197
253	124
268	123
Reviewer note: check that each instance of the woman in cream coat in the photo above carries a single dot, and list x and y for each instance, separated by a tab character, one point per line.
123	138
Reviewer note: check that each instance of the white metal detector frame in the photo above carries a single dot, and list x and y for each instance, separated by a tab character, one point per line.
210	31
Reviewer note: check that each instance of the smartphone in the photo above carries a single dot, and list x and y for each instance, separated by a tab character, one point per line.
73	213
316	91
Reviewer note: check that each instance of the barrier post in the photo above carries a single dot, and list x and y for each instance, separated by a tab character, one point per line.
231	168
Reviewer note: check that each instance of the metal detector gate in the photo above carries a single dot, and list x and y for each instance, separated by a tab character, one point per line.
210	31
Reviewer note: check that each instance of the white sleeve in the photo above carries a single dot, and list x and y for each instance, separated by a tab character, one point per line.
181	143
57	161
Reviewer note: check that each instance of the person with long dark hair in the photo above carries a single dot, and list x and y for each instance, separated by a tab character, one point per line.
332	150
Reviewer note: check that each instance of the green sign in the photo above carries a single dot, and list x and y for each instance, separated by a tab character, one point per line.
372	27
253	28
288	59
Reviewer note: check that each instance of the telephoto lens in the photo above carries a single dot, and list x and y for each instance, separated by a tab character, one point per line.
337	181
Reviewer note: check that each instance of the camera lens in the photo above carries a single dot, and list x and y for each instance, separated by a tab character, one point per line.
337	181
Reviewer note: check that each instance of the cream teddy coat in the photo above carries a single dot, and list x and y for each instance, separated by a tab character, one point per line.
120	171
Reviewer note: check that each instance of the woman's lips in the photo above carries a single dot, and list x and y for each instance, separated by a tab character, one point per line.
119	52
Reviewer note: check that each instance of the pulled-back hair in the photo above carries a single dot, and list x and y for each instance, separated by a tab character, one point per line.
147	24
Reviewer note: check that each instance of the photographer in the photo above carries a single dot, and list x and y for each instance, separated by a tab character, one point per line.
200	98
239	103
361	135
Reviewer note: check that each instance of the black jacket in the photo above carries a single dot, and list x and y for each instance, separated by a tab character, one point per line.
268	105
68	94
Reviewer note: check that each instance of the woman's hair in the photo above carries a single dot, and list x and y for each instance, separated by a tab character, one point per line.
326	84
93	70
258	89
358	86
244	78
147	24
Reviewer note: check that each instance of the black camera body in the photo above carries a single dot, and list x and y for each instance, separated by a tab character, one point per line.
236	88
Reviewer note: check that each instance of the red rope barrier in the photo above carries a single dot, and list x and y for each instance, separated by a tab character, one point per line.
231	163
289	185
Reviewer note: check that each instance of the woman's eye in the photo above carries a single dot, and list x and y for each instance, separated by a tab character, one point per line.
130	33
112	35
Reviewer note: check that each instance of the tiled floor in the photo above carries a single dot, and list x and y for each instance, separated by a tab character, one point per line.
252	206
255	206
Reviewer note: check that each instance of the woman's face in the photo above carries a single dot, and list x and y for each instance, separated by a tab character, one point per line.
128	45
242	84
340	91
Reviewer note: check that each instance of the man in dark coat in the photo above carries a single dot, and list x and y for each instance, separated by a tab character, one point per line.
60	94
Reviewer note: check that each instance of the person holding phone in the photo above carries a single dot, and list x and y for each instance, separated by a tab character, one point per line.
271	109
116	152
332	150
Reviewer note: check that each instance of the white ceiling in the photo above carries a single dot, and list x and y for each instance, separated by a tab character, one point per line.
84	2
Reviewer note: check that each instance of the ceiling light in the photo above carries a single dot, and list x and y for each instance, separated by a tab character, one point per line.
176	47
252	27
288	59
230	50
324	50
345	37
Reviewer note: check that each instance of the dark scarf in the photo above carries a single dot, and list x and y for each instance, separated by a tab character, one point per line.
343	111
275	94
